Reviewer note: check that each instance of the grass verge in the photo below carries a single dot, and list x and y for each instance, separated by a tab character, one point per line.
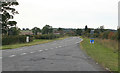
35	42
102	54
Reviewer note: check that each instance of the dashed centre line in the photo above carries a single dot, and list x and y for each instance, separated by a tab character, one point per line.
32	52
40	50
46	49
23	54
12	56
60	46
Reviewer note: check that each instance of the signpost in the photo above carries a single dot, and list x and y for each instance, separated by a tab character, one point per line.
92	39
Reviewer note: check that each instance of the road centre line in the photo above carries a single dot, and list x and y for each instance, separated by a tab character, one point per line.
32	52
12	55
40	50
46	49
23	53
60	46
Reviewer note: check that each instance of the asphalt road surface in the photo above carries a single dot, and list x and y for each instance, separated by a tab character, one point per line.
60	55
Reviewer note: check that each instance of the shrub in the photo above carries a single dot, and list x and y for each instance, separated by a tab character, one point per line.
46	36
95	35
110	35
105	35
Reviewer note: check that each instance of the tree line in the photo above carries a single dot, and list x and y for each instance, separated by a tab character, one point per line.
9	27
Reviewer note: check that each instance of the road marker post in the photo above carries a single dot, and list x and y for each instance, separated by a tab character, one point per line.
27	39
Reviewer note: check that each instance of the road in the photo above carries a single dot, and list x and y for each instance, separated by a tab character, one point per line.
60	55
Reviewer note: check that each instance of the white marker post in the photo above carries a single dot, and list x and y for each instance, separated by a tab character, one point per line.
27	39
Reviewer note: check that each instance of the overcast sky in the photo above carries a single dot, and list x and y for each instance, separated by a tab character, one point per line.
67	13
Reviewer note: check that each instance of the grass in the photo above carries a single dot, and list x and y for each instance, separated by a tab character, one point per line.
35	42
102	52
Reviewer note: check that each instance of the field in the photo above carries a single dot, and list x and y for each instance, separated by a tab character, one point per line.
105	52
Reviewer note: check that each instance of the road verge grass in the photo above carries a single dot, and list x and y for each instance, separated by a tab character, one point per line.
34	42
102	54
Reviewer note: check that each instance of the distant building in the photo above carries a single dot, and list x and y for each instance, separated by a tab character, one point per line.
26	32
92	31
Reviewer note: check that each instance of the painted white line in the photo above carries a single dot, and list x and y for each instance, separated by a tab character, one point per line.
40	50
56	47
46	49
60	46
96	63
23	54
0	57
107	68
12	56
32	52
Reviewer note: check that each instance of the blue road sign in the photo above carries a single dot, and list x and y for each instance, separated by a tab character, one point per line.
91	41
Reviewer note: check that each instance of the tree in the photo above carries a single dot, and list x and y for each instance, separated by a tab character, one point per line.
27	28
19	29
102	28
78	32
86	28
13	31
35	30
23	29
119	35
60	30
47	29
7	12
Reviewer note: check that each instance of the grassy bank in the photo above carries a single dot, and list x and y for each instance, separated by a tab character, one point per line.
35	42
102	51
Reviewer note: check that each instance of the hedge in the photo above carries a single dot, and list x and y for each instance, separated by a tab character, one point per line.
46	36
104	35
7	40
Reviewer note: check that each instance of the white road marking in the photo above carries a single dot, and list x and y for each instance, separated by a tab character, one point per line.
32	52
56	47
0	57
40	50
60	46
96	63
12	56
77	42
23	53
107	68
